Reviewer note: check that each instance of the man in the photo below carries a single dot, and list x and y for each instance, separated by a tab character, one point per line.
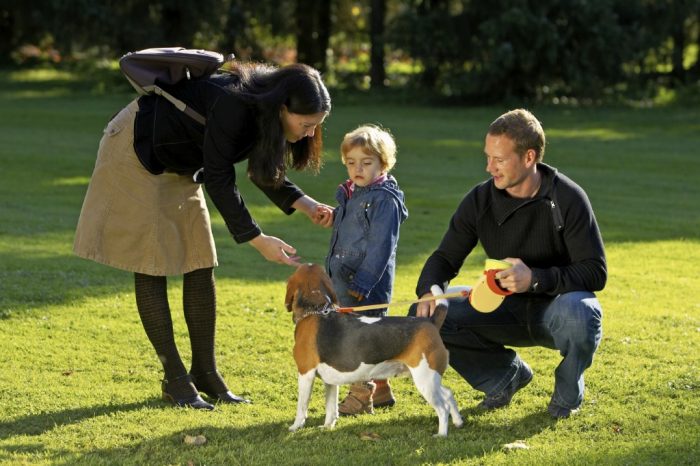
542	222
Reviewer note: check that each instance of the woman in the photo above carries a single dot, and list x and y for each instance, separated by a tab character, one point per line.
144	212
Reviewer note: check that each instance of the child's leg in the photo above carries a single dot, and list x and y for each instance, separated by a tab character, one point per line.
383	397
358	400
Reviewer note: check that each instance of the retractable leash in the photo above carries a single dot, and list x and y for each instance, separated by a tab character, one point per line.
485	296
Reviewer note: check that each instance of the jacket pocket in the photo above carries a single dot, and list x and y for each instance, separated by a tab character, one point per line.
344	266
113	128
361	218
347	273
119	122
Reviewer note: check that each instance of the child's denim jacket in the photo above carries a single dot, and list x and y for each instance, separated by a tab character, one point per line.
362	254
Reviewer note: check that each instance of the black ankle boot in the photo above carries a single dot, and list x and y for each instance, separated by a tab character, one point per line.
213	385
176	392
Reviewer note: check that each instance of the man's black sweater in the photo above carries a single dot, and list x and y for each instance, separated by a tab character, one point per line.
554	233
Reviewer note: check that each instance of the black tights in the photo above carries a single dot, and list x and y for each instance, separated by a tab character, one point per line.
199	303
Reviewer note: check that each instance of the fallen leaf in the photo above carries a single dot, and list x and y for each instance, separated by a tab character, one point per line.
369	436
194	440
517	445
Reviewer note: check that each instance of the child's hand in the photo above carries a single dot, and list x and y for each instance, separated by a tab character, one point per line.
358	296
323	215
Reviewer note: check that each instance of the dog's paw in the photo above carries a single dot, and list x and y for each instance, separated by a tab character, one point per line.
329	425
458	422
294	427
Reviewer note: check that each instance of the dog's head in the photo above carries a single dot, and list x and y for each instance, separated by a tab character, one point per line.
308	288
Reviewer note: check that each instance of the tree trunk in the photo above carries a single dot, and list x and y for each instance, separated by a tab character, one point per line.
313	19
377	71
431	65
7	31
694	71
678	36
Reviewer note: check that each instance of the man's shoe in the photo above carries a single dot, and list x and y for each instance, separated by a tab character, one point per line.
560	412
383	398
502	398
358	400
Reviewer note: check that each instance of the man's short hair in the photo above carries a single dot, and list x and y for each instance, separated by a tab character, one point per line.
523	129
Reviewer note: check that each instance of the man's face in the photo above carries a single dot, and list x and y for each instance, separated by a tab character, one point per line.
507	167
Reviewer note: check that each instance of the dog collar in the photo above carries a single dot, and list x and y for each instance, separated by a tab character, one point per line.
324	311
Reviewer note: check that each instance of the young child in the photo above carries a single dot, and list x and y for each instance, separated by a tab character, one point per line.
362	255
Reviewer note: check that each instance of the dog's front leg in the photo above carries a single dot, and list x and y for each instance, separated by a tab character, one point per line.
306	383
331	406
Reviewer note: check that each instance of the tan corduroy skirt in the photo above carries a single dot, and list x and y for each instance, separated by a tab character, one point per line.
139	222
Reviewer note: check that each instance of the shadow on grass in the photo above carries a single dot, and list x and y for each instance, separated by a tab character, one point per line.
409	441
38	424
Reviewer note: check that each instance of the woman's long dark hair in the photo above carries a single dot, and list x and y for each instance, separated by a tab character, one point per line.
301	89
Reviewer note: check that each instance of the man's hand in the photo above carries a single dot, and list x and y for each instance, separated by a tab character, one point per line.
425	308
517	278
275	250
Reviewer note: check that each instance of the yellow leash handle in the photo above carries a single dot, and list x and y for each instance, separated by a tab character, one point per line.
369	307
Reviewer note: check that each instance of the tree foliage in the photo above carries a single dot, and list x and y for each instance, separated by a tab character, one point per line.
502	48
469	49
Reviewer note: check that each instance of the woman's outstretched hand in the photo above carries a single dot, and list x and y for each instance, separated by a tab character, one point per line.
275	250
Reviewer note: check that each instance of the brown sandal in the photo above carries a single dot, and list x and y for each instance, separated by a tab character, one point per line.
358	400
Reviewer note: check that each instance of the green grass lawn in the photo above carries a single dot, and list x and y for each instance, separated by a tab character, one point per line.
79	382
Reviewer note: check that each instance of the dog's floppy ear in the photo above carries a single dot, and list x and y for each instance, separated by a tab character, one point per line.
329	290
292	289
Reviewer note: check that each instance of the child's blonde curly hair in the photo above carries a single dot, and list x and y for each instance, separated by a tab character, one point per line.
373	140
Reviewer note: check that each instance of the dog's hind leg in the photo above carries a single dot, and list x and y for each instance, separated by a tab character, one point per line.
429	384
306	383
331	406
452	406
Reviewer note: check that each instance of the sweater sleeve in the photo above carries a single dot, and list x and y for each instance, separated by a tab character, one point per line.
587	269
225	139
459	240
283	196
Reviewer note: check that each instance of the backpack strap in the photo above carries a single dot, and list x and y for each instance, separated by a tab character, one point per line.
182	106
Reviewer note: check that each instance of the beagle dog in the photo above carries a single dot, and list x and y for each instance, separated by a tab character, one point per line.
343	348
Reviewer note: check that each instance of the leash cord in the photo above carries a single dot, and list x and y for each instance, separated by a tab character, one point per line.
369	307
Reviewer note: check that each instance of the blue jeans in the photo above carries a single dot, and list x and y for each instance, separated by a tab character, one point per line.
570	323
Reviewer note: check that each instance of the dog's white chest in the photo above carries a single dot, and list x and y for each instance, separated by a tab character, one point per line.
364	372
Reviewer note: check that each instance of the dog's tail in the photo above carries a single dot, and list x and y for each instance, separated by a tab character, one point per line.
440	313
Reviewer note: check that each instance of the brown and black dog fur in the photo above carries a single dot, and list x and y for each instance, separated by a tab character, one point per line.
343	348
